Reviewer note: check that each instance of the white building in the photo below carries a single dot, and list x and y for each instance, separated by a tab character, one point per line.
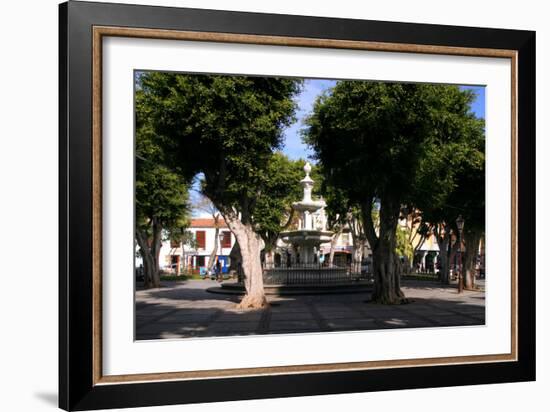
195	259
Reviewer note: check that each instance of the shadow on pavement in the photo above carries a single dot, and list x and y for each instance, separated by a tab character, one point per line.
187	311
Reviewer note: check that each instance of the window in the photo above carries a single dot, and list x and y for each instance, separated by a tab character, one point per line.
200	237
226	238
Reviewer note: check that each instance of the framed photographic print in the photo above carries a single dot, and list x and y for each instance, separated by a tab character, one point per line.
281	205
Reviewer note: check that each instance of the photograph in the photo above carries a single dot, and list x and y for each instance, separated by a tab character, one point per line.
282	205
278	206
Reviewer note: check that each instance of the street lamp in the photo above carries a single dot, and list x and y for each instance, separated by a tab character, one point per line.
460	226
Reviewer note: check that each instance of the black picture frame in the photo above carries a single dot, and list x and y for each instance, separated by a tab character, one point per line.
77	389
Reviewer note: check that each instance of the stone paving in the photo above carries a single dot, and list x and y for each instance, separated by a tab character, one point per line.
186	309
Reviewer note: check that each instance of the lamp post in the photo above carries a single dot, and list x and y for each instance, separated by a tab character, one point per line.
460	226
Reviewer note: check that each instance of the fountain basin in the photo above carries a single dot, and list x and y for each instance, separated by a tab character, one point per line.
306	237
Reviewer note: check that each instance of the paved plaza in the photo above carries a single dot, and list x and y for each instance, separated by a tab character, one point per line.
186	309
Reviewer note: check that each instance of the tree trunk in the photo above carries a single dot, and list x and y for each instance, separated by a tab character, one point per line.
183	262
235	257
150	254
156	253
472	239
387	285
269	259
405	267
148	269
357	256
270	245
333	242
250	245
212	257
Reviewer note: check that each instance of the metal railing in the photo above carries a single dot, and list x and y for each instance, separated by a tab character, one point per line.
309	274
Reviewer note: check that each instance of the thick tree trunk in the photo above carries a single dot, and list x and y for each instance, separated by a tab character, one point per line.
472	239
387	285
156	272
250	245
148	269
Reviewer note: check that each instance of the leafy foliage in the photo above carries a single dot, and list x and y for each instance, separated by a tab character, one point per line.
227	128
224	126
407	146
273	211
161	192
403	247
390	140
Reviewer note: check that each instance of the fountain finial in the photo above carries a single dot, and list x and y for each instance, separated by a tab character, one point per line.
307	184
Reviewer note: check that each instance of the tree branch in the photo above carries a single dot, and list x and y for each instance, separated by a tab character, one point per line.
290	218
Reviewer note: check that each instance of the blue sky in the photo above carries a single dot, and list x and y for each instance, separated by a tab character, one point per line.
478	106
296	149
293	145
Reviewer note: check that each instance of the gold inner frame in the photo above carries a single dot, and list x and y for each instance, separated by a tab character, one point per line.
101	31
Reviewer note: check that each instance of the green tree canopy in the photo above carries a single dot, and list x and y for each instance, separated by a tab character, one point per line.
224	126
228	128
389	141
161	193
273	211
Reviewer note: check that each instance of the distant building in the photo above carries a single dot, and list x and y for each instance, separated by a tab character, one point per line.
427	254
343	249
173	257
425	249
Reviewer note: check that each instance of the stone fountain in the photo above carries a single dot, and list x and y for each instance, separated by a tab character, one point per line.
311	232
304	273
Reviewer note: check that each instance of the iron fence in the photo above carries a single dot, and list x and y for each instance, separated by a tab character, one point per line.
309	274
